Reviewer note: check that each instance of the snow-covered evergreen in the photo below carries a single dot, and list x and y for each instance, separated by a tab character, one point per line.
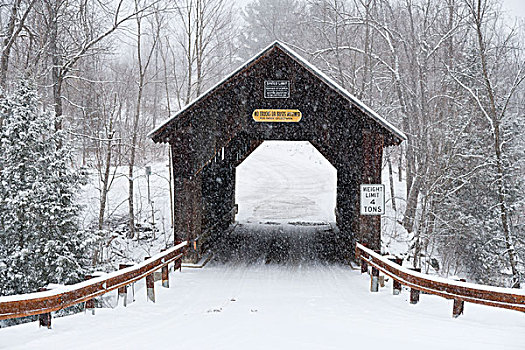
40	242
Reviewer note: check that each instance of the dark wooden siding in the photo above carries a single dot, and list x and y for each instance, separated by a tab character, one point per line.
204	179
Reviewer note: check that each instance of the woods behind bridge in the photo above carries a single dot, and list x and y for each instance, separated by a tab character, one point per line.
448	73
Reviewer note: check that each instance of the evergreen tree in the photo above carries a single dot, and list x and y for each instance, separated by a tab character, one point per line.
270	20
40	242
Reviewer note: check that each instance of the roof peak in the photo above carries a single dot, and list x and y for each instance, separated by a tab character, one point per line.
308	66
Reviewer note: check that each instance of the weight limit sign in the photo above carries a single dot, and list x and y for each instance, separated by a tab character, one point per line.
372	199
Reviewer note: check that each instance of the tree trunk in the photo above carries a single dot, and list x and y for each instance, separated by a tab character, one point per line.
134	139
400	165
56	76
11	33
143	67
4	64
189	56
410	212
105	179
391	180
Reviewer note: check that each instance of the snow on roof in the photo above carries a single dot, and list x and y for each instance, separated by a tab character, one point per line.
210	90
343	91
314	70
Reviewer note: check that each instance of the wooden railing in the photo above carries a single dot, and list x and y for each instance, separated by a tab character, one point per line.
43	303
461	292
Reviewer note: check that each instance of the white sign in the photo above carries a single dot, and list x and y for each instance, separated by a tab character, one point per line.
372	199
276	89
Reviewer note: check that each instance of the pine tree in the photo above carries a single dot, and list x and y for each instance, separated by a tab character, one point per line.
270	20
40	241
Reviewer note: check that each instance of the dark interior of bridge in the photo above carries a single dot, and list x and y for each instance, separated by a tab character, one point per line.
285	193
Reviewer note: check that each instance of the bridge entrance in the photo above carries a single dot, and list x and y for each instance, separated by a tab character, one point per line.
285	192
277	95
286	183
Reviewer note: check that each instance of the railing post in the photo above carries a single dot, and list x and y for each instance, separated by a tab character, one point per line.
165	274
150	285
459	305
364	266
374	277
89	304
177	265
414	293
396	285
44	319
123	291
374	280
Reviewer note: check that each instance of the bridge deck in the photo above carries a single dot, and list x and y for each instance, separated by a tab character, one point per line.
254	305
278	243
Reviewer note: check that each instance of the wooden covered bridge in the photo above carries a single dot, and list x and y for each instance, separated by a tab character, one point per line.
277	95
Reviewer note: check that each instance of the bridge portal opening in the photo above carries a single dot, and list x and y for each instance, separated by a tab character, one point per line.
286	183
285	192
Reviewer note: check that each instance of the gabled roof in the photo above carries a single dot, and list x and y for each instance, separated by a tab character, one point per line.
308	66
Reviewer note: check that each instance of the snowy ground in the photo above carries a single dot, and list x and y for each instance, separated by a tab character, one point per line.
117	202
252	302
285	182
116	247
259	306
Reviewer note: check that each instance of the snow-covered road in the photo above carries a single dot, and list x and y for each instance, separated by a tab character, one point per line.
296	304
286	182
259	306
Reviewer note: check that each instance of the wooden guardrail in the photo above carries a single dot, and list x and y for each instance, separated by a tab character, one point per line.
44	302
461	292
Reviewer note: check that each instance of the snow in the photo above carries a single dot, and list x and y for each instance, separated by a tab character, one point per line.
258	306
118	194
325	78
297	185
298	304
395	240
117	211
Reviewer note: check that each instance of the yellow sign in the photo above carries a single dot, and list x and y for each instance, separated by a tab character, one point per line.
277	115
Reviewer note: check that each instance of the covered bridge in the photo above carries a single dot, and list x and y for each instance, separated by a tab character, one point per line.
276	95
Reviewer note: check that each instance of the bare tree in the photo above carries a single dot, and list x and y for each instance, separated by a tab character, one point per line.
143	63
19	11
88	31
203	22
493	101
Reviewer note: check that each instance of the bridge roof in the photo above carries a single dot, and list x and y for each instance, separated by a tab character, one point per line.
159	134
